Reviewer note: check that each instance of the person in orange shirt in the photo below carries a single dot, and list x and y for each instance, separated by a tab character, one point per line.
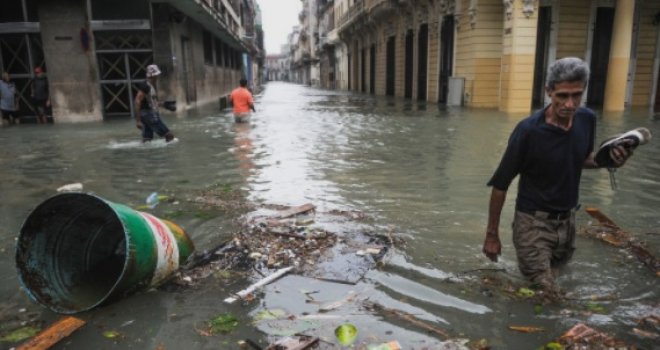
242	102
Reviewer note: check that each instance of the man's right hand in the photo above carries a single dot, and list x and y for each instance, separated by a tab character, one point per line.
492	246
139	125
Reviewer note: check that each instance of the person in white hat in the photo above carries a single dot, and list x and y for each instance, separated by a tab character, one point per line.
147	117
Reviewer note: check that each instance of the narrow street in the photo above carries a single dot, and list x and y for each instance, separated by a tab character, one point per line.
416	170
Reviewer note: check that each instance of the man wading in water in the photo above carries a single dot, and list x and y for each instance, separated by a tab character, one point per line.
242	102
548	150
147	117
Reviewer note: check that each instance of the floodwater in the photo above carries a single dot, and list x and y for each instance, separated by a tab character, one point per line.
417	170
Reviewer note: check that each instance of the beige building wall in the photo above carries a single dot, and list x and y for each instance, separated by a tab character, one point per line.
573	23
646	55
479	53
434	61
518	55
495	54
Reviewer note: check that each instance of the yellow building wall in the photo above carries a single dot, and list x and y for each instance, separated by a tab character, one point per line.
518	55
432	74
573	28
646	48
479	53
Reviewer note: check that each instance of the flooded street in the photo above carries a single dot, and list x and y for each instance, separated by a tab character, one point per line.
417	170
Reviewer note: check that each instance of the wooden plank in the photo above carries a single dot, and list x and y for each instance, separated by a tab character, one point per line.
614	235
296	210
602	218
53	334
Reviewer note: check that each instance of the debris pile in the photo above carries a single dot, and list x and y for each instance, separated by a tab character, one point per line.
276	237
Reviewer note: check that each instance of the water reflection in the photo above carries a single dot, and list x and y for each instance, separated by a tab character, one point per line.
418	170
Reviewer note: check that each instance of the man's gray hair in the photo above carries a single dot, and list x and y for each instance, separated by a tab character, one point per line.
570	69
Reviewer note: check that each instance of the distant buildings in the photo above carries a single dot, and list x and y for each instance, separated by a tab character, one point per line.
479	53
95	51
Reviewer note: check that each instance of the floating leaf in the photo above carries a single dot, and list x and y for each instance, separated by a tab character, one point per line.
269	314
223	323
20	334
538	309
551	346
111	334
596	308
525	292
346	334
526	329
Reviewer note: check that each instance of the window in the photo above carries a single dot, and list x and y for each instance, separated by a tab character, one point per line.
218	53
208	47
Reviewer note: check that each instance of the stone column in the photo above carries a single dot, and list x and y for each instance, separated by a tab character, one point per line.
519	46
617	69
71	68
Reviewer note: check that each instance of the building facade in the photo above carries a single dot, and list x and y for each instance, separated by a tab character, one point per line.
491	53
94	52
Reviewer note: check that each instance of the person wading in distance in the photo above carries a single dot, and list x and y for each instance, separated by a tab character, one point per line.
242	102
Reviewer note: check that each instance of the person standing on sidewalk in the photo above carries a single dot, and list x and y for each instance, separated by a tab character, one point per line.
242	102
147	117
40	95
8	100
548	150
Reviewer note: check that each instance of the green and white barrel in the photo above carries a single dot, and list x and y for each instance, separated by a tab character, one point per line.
76	251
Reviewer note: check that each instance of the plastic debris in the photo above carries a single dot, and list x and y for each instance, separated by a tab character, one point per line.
263	282
74	187
153	200
393	345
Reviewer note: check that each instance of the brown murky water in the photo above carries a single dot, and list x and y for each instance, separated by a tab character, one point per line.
417	170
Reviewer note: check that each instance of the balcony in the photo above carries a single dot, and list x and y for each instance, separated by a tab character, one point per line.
364	11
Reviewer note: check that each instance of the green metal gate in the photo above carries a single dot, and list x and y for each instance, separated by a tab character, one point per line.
122	56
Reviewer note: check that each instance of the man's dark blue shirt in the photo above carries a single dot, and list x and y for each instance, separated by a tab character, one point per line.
549	160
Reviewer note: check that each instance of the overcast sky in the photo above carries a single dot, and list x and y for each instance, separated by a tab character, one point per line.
278	17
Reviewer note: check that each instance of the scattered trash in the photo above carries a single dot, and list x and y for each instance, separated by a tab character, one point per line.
294	343
346	334
74	187
393	345
582	336
608	231
526	329
334	305
406	317
261	283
